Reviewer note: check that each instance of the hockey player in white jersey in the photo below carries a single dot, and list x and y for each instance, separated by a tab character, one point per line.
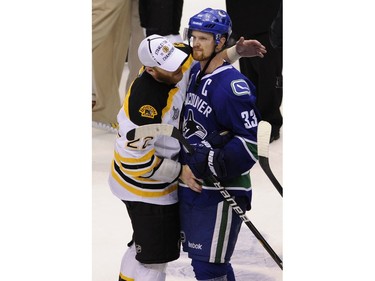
220	120
145	171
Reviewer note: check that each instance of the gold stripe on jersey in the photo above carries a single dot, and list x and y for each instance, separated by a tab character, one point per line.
125	278
126	102
136	167
169	101
140	188
187	63
127	96
186	49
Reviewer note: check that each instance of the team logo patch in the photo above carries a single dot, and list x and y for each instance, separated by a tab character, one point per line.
240	87
191	127
148	111
165	49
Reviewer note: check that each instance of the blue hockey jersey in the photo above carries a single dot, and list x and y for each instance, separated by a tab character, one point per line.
223	101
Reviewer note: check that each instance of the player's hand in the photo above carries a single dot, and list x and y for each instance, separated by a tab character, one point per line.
250	48
206	161
219	139
190	180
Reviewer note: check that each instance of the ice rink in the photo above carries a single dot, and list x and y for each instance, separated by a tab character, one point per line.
112	229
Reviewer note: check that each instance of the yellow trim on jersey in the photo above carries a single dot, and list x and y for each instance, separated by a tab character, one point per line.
169	101
187	63
134	175
125	278
126	102
142	192
135	171
141	160
127	96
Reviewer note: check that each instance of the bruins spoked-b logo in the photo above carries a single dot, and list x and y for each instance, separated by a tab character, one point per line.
148	111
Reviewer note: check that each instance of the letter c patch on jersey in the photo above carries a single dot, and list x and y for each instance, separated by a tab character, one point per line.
240	87
148	111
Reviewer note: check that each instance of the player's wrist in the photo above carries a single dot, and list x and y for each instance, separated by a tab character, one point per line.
232	54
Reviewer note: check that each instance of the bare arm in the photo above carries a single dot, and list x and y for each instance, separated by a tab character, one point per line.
244	48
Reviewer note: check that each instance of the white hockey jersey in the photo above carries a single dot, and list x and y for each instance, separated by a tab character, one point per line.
146	170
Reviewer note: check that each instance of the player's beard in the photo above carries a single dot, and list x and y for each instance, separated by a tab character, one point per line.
200	55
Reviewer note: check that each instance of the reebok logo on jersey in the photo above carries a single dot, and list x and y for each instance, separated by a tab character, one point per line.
148	111
194	246
240	87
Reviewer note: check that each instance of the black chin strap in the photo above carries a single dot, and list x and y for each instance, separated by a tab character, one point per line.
203	71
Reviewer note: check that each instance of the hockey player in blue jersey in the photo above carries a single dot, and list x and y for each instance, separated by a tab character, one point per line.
220	120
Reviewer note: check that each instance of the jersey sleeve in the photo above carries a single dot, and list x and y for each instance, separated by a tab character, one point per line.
241	118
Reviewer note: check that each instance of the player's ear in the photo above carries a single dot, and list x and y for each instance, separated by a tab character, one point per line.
221	44
150	70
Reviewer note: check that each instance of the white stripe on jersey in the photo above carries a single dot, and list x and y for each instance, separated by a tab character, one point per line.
218	232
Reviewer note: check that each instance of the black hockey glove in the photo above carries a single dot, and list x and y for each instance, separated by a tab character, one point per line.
205	161
219	139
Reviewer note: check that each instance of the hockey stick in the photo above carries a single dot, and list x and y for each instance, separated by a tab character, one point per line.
169	130
264	133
